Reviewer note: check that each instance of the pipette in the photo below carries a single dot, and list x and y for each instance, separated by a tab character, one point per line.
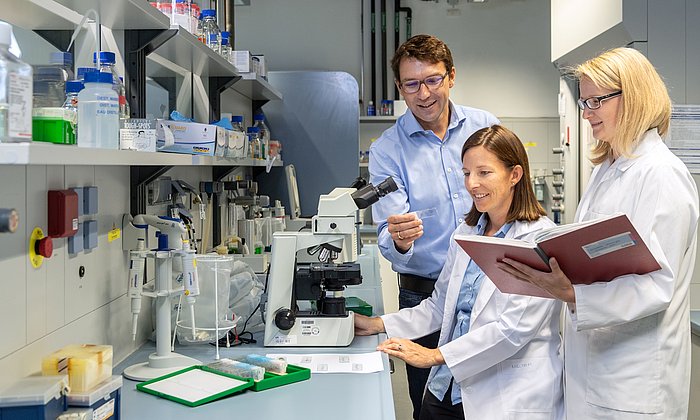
191	280
137	264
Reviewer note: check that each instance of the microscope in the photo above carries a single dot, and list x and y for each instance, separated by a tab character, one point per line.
333	236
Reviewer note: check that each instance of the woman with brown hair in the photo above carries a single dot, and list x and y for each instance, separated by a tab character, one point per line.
498	354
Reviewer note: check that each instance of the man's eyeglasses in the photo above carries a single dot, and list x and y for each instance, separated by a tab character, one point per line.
594	102
432	82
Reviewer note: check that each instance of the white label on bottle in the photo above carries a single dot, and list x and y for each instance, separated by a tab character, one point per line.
20	122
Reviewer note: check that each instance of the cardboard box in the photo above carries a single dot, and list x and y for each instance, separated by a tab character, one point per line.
137	134
186	137
242	61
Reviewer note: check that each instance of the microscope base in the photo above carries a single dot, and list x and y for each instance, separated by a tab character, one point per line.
313	332
158	366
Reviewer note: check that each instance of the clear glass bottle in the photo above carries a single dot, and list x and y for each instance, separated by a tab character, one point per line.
124	108
50	80
254	143
70	107
259	121
225	48
209	27
15	92
237	143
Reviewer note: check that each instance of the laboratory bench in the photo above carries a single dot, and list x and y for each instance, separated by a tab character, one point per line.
695	322
339	396
326	395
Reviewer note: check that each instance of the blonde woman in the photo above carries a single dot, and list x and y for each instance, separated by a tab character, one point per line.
627	342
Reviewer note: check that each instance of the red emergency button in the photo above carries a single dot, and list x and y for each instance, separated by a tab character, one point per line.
44	247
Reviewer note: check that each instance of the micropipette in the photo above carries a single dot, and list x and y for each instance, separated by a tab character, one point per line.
137	264
191	280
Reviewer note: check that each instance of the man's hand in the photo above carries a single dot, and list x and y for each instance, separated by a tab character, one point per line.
404	230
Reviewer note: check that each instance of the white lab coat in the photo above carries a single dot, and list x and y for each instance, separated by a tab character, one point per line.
627	342
508	365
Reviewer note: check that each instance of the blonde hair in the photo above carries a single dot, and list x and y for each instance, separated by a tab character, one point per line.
645	103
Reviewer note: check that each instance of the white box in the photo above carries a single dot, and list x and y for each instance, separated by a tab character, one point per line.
137	134
186	137
242	61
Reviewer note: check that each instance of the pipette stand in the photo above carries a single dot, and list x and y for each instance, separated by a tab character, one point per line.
163	361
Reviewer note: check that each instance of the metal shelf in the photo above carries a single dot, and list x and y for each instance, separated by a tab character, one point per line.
34	15
35	153
256	88
187	52
379	118
121	14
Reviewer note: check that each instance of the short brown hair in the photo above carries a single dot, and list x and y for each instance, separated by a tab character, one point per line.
423	48
510	150
645	100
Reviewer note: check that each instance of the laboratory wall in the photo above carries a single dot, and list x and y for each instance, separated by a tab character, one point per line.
500	48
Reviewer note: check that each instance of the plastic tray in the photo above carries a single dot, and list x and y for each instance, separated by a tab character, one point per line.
273	380
144	387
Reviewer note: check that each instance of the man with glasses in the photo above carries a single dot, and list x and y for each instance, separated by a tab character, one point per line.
422	153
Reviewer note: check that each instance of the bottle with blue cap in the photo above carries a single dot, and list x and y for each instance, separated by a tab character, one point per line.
50	80
209	27
237	142
107	65
15	92
254	143
70	106
98	112
264	134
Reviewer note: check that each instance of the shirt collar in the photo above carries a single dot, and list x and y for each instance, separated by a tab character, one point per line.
412	126
484	220
646	143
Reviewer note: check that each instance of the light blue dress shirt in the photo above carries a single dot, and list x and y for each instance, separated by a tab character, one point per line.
471	283
428	172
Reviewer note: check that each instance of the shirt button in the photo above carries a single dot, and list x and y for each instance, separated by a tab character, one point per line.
455	195
449	170
460	220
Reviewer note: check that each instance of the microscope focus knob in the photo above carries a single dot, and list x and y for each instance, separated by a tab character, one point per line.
284	319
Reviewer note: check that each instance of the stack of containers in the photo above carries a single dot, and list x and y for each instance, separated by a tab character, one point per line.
86	365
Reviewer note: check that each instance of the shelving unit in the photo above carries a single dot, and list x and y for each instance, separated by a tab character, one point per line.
378	118
256	88
170	50
36	153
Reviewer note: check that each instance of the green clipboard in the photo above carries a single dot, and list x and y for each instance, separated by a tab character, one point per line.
195	385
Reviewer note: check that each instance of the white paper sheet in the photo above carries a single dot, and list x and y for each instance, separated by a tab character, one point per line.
336	362
195	385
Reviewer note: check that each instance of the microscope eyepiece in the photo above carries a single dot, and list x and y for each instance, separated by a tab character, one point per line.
369	194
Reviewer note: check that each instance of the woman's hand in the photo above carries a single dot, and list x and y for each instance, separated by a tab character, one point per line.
412	353
555	283
404	230
365	325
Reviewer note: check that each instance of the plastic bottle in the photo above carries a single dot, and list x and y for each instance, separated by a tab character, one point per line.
15	92
107	61
98	112
264	134
254	143
371	111
237	143
209	27
80	72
